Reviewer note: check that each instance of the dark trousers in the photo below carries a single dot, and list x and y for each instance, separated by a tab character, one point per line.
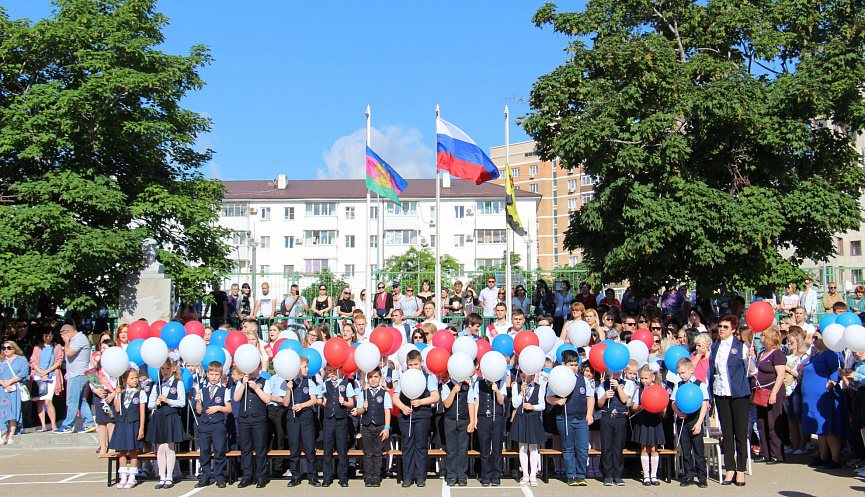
334	434
276	434
491	436
769	423
211	439
693	454
415	447
614	433
733	416
253	437
372	444
301	429
457	441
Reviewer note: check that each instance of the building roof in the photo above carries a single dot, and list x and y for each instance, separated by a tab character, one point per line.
356	189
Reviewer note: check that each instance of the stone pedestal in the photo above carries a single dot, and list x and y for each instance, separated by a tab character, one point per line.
149	294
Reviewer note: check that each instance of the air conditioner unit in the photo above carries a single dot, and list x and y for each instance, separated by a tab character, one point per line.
570	190
298	241
253	210
531	176
432	222
470	238
470	212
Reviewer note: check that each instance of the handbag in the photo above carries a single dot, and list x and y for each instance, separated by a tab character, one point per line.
25	392
760	397
38	388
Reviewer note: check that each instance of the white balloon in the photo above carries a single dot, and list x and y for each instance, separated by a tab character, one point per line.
460	366
288	335
423	354
367	356
318	347
532	359
465	345
833	337
412	382
854	337
403	351
192	349
579	333
286	363
247	358
546	338
154	352
115	361
639	351
494	365
562	380
226	366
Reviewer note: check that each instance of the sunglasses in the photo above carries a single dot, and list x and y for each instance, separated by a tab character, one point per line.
657	340
609	319
656	328
409	289
322	289
491	281
381	288
630	324
7	348
831	288
346	293
643	321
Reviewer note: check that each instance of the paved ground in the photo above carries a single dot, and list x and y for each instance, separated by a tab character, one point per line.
26	472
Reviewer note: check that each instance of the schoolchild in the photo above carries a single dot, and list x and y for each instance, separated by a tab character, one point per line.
474	321
527	428
337	399
212	406
574	414
501	324
130	404
648	429
491	414
374	413
613	404
167	399
301	395
414	419
253	394
103	399
276	412
458	399
691	435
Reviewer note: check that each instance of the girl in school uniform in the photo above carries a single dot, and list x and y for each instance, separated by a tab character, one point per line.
129	403
167	399
647	427
103	400
528	425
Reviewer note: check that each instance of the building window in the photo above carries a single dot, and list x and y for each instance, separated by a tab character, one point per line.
459	211
479	263
373	241
288	269
856	276
265	213
572	185
315	265
573	260
289	213
515	171
238	238
265	242
289	242
839	242
490	236
587	180
349	241
400	237
432	241
855	248
459	240
233	209
432	213
533	188
497	207
349	271
573	204
533	153
373	212
533	170
349	212
408	208
501	173
264	269
321	209
319	237
586	197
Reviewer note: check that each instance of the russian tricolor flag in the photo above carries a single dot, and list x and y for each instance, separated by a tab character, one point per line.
459	155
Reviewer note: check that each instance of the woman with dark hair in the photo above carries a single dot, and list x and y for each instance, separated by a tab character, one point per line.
520	301
426	294
695	320
728	384
544	300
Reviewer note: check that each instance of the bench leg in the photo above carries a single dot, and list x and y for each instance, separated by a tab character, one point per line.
110	467
399	469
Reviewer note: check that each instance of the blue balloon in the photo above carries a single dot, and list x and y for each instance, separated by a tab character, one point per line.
616	356
608	341
420	345
848	318
153	373
826	320
265	375
172	333
186	376
504	344
315	361
563	348
213	353
356	344
675	354
133	350
218	338
290	345
689	398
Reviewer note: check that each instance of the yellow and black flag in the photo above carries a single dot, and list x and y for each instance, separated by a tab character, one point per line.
511	215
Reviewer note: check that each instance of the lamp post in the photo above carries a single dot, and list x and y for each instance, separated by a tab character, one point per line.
528	254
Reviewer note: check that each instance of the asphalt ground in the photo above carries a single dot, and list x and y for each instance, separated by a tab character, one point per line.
41	472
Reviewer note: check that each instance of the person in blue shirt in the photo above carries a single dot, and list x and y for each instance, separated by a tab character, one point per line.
212	406
690	435
490	418
415	418
301	395
574	414
374	411
474	321
458	399
337	399
253	394
276	412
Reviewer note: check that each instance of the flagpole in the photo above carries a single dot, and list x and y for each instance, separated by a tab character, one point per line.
508	299
438	276
366	306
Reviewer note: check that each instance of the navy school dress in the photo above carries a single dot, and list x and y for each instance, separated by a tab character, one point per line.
648	428
165	423
128	421
528	426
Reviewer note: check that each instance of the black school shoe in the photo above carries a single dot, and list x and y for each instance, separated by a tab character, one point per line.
293	483
244	483
202	484
451	482
406	483
496	482
261	483
421	483
343	484
462	482
220	483
702	484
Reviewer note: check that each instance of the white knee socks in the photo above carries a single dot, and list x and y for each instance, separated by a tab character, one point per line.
655	460
644	461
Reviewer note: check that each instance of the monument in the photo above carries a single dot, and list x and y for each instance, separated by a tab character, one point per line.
148	294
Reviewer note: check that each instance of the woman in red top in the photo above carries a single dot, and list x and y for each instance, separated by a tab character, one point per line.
700	358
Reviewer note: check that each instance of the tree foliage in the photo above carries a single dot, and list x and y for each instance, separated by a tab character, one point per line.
413	261
96	154
718	130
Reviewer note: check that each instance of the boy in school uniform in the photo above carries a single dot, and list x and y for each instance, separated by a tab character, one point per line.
302	395
276	420
374	415
213	406
337	398
253	394
501	324
574	414
458	399
518	319
474	321
691	436
398	322
491	415
613	404
414	419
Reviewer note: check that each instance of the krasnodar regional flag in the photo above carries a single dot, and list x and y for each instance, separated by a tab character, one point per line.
382	179
511	215
459	155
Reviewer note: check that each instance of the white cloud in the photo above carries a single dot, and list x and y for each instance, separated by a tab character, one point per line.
404	149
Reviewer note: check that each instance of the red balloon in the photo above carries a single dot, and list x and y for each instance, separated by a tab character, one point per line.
437	358
138	329
596	357
276	345
156	328
234	340
524	339
654	398
194	328
397	340
336	351
483	347
394	411
759	316
445	340
382	338
644	336
349	366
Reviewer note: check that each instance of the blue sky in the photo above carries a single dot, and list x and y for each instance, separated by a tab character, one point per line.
291	80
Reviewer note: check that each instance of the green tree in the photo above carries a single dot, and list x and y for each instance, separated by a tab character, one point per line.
719	132
415	265
96	154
